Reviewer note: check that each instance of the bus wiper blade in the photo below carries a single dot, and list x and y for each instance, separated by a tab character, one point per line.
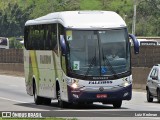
90	65
105	59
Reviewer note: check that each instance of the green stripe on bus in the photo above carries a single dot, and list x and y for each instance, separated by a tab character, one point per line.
35	67
55	65
30	74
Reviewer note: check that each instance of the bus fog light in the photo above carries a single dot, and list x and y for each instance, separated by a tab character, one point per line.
75	95
125	94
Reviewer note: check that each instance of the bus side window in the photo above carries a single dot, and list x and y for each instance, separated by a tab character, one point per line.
47	37
41	38
60	32
63	60
36	38
53	37
30	39
50	37
26	37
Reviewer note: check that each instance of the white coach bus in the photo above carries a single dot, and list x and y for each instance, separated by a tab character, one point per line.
70	56
4	43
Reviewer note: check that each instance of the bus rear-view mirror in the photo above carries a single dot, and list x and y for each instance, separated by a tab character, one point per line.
135	43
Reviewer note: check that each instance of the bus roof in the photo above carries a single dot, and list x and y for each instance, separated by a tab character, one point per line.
81	19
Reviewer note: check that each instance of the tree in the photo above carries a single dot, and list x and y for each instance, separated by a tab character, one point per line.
14	13
43	7
13	19
148	18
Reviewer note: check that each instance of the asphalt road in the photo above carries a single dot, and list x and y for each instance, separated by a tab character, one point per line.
13	97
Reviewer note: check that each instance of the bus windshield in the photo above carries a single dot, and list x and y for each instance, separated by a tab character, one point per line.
98	52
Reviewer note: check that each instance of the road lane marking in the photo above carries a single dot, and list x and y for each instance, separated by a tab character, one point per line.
85	110
154	118
13	85
12	100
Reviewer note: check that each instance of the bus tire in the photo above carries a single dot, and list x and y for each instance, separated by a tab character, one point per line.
117	104
89	103
47	101
61	103
38	100
85	103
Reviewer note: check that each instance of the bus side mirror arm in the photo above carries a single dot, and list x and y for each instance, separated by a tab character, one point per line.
63	45
136	44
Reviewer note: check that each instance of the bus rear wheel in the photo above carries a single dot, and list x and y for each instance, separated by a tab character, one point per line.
117	104
38	100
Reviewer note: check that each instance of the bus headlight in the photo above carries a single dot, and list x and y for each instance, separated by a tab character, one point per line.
74	83
74	86
125	84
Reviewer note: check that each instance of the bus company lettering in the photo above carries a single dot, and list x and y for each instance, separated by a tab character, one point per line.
45	59
100	82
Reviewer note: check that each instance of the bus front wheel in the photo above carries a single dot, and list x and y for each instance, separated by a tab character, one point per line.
61	103
47	101
117	104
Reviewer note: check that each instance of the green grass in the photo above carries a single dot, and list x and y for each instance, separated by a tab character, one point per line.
90	5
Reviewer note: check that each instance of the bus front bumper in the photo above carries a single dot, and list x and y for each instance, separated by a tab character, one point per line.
109	96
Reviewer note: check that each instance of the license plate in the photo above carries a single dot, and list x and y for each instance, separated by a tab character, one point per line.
101	95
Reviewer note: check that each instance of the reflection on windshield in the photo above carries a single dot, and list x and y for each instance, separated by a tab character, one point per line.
98	53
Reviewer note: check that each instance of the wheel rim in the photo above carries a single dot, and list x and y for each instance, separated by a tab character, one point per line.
59	98
35	94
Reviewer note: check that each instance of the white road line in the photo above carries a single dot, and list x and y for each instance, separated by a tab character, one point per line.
82	110
12	100
154	118
13	85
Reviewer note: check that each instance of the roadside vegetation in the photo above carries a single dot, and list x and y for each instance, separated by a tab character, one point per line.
14	13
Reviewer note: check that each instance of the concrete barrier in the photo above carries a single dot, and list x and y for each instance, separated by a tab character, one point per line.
16	69
139	73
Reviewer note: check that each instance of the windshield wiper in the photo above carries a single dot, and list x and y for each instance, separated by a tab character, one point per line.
107	63
90	65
